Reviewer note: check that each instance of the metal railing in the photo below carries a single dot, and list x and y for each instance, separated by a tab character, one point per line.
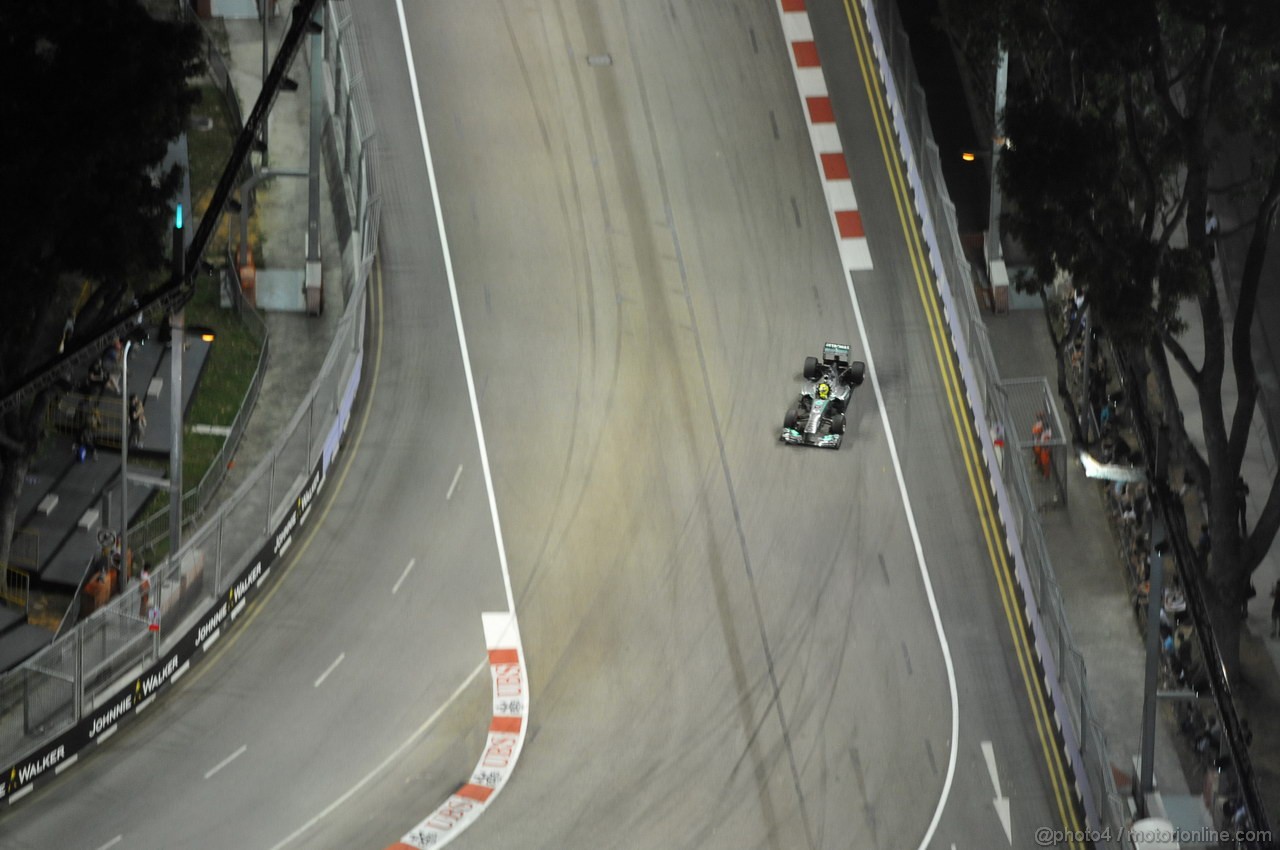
1084	741
50	692
15	586
24	551
349	138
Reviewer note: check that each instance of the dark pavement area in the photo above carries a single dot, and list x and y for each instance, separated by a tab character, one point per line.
73	487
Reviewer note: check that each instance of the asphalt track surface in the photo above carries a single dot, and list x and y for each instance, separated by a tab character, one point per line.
729	640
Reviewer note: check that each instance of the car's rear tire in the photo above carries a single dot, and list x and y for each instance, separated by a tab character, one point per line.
789	421
855	373
837	424
812	370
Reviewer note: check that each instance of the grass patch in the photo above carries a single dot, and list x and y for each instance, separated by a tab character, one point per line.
209	151
227	375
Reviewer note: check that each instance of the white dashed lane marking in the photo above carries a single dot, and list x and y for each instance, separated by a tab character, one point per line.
226	761
330	669
454	483
404	575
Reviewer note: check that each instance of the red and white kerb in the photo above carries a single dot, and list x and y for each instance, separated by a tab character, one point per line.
502	746
821	119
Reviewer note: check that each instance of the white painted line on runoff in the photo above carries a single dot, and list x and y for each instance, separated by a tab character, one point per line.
18	795
226	761
454	483
112	843
391	757
793	24
924	568
404	575
66	764
330	669
457	309
108	732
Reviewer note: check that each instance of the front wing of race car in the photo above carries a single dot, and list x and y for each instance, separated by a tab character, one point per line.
796	437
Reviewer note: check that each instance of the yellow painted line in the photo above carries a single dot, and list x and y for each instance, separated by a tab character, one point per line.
375	306
1036	692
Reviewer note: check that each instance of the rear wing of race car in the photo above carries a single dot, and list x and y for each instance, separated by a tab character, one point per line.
835	353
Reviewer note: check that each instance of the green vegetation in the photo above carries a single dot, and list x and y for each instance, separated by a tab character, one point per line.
209	149
227	374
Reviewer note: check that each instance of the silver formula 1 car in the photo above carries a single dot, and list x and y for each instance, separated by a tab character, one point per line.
817	418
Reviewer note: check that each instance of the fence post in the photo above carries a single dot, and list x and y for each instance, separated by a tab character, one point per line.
78	668
217	558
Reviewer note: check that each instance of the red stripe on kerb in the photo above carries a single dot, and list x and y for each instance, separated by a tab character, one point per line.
400	845
820	111
504	656
806	54
793	5
479	793
834	166
505	724
850	224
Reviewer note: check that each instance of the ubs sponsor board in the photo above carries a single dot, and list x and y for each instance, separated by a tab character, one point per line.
94	728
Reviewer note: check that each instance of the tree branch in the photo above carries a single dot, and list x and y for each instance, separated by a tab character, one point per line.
1171	226
1264	530
1144	165
1180	355
1242	332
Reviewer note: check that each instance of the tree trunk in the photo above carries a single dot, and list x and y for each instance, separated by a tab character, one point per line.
1226	592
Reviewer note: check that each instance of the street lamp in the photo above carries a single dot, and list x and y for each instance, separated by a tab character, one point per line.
124	464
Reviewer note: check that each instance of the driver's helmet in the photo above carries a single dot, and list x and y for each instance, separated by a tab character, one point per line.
824	390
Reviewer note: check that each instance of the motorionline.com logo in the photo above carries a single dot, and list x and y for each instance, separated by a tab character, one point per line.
1200	835
1152	834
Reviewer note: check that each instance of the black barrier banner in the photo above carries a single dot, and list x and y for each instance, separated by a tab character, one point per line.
52	758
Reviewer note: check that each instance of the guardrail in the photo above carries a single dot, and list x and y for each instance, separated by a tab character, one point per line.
107	669
1084	741
15	588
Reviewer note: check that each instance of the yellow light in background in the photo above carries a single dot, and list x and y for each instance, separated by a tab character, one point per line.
968	156
207	336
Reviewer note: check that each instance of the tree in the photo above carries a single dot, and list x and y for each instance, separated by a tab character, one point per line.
95	93
1118	113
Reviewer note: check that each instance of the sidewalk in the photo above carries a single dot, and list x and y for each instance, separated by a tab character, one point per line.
1086	558
297	343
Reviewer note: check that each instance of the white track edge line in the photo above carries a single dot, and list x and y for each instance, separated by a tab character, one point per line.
457	309
906	502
